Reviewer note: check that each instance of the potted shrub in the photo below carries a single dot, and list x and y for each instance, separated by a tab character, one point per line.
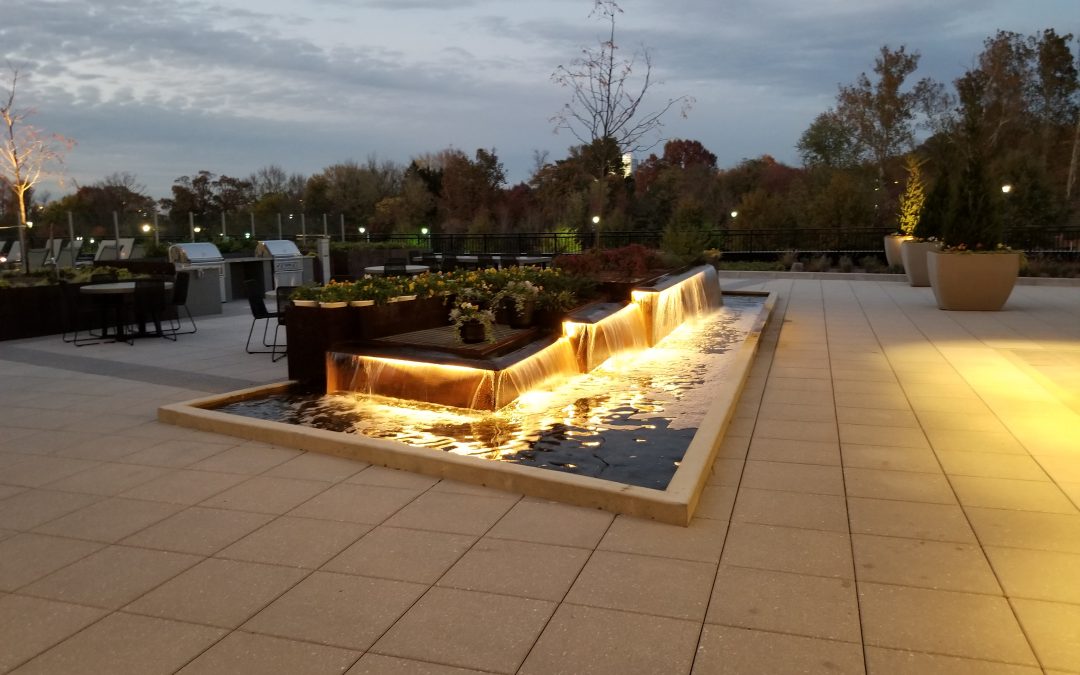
926	223
335	295
520	296
473	324
306	296
973	270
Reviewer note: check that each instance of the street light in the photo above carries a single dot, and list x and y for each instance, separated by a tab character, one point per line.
596	220
1006	188
146	228
423	231
734	214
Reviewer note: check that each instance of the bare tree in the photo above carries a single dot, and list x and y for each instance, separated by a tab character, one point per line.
25	156
606	98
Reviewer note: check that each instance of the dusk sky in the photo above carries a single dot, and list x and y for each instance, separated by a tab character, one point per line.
161	88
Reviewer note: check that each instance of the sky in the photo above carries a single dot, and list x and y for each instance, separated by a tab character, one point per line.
162	89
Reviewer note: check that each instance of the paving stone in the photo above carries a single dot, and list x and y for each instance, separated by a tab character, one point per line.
665	587
791	509
265	494
109	520
788	549
449	512
702	540
1019	495
828	480
377	664
295	542
27	557
726	650
925	564
242	653
317	466
1054	631
199	530
27	509
914	520
1039	575
898	485
32	625
1026	529
356	503
899	662
407	555
525	569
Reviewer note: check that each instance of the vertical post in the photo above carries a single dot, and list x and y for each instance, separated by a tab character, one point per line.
252	214
191	224
325	232
157	238
279	226
303	226
342	228
71	231
223	233
116	232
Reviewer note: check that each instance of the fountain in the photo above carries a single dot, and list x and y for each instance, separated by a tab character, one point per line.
502	402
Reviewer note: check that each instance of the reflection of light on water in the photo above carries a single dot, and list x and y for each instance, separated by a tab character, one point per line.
645	408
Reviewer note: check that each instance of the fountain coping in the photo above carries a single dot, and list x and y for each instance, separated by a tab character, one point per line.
676	504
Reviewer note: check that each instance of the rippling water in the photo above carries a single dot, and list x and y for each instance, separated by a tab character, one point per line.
629	421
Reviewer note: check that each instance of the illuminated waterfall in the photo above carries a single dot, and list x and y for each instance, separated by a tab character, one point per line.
590	337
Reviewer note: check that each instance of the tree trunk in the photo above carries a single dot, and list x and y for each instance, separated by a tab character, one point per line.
24	239
1071	180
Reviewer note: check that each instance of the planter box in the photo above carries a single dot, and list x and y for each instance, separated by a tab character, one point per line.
913	253
892	249
313	331
972	281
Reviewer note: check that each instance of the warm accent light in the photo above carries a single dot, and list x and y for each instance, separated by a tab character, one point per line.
1006	188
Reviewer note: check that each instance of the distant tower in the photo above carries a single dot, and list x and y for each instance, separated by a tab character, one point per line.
629	164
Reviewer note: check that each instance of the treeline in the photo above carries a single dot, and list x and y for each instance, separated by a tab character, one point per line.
851	175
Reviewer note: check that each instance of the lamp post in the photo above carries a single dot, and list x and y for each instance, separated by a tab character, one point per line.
363	231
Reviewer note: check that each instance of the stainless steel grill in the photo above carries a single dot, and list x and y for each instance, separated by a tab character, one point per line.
288	262
203	257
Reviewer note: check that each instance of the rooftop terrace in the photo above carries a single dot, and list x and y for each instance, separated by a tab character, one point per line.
898	493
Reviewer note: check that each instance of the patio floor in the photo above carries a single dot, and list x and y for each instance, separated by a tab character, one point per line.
897	494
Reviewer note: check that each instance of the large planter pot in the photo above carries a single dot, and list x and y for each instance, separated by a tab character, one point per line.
892	249
913	253
972	281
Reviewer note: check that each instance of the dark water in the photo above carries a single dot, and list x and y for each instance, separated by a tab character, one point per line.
629	421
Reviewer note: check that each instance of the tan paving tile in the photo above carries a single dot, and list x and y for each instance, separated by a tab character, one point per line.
547	522
725	471
991	465
106	448
109	520
867	387
377	664
32	625
356	503
726	650
1054	631
1026	529
821	373
247	459
526	569
295	542
122	644
974	441
954	405
716	502
940	565
454	627
914	520
882	661
942	622
449	512
733	447
892	400
799	452
813	478
675	588
109	479
340	610
177	453
264	494
592	640
1061	468
29	508
788	549
969	421
407	555
218	592
317	466
702	540
899	485
885	417
1038	575
802	412
785	603
920	460
791	509
184	487
823	432
27	557
112	577
198	530
10	490
882	435
392	478
243	653
35	471
1002	493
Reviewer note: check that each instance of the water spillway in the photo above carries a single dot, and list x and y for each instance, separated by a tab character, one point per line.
590	336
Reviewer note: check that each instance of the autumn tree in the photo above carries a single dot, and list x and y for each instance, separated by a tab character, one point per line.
828	143
911	201
607	100
26	156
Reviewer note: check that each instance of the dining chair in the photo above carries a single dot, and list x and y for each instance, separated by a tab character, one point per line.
179	302
151	303
259	312
77	311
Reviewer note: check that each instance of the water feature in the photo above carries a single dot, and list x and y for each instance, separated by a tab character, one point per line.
625	408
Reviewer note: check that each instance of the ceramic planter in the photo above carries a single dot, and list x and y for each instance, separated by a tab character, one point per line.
972	281
361	303
305	303
913	253
472	332
333	305
402	298
892	249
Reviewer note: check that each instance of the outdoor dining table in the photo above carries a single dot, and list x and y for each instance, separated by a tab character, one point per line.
118	292
411	270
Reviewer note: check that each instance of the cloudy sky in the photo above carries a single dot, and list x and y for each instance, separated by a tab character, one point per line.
161	88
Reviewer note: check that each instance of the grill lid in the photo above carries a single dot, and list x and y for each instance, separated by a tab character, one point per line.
195	252
277	248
